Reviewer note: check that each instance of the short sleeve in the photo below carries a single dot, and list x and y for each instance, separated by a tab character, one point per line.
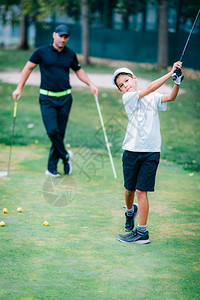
160	105
75	64
35	57
130	100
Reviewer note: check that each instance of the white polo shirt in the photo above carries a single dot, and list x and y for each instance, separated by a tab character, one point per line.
143	130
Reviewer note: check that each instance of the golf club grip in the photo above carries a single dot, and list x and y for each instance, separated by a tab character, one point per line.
15	110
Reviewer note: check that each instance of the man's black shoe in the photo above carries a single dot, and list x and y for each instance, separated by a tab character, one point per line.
135	237
130	220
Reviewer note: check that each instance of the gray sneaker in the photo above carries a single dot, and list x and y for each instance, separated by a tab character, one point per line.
134	237
130	220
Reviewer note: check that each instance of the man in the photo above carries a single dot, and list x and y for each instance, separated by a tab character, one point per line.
55	61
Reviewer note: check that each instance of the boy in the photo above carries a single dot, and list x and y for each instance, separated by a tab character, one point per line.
141	145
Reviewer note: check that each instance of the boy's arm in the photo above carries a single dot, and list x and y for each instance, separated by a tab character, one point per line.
24	76
154	85
171	96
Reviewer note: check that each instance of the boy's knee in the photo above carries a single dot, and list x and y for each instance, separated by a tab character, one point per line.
129	192
141	194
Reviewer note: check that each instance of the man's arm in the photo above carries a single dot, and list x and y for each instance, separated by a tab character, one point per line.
81	74
154	85
24	76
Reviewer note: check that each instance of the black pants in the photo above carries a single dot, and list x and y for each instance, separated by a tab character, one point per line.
55	113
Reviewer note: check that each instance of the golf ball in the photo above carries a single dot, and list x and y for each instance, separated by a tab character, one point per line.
46	223
5	210
2	224
19	209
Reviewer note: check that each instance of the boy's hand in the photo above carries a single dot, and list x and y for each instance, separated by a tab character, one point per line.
177	77
177	65
176	69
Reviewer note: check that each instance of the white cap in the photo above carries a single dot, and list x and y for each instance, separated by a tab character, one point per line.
119	71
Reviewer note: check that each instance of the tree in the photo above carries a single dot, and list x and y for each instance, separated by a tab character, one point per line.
24	32
21	15
85	30
186	10
130	7
163	33
105	9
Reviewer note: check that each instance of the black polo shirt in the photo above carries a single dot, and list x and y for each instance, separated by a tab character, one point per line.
55	67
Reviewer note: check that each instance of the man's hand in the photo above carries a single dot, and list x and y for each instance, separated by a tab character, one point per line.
81	74
17	94
94	90
24	76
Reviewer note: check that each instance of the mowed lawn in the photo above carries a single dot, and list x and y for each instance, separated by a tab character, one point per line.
78	256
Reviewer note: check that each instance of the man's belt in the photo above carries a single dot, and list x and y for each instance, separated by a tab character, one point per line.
55	94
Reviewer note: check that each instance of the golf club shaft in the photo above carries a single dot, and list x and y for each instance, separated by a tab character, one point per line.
105	136
188	39
176	72
13	127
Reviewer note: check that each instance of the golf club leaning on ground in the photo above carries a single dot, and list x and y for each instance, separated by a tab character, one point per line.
105	137
5	173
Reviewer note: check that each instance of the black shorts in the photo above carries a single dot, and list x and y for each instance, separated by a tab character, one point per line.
139	170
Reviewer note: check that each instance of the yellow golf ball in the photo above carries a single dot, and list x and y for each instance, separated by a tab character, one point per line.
19	209
2	224
46	223
5	210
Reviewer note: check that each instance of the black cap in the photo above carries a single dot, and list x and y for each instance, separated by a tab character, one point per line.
62	29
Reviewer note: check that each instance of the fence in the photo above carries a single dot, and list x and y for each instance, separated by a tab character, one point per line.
141	46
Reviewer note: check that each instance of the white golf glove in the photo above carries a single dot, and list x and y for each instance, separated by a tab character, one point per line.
177	77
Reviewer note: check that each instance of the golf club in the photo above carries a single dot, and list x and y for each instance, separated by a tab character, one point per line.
5	173
177	72
105	136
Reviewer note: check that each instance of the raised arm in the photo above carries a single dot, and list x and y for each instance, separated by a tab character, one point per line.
24	76
171	96
154	85
81	74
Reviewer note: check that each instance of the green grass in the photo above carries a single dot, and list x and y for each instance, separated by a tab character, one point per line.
13	58
78	255
16	59
181	128
179	124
